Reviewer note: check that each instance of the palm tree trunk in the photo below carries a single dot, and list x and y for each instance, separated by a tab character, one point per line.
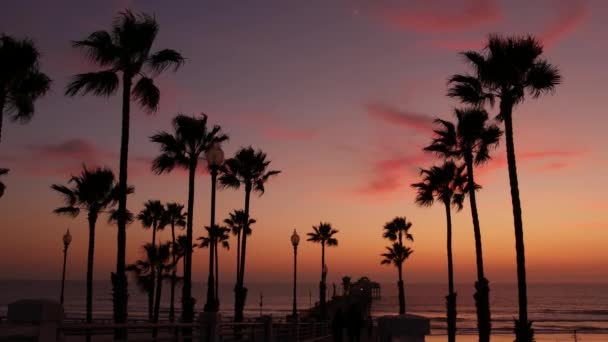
119	279
451	297
523	328
159	286
154	235
238	255
92	220
153	276
211	294
187	300
240	291
322	285
401	290
217	279
2	101
482	294
173	275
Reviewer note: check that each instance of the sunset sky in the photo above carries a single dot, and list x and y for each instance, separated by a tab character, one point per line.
341	95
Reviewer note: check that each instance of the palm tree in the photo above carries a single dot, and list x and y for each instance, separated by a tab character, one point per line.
174	217
2	186
447	184
152	217
396	255
323	234
248	168
345	285
507	70
183	148
217	235
150	273
394	231
236	222
21	81
471	139
94	191
124	51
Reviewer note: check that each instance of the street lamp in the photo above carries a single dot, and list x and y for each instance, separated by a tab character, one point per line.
67	239
295	240
215	158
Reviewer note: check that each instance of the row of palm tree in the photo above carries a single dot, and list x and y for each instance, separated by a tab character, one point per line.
508	69
323	234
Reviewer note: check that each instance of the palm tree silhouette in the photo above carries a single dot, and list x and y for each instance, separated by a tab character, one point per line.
21	81
236	222
324	235
507	70
396	255
394	231
217	235
445	183
2	186
152	217
471	139
124	50
94	191
249	168
151	271
183	148
174	217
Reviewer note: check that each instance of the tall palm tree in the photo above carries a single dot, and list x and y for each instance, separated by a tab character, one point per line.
94	191
471	140
174	217
219	236
394	231
507	70
445	183
2	186
236	222
396	255
183	148
152	217
124	51
324	235
248	168
21	81
150	272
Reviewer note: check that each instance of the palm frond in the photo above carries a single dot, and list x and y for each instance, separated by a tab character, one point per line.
102	83
147	94
163	59
98	47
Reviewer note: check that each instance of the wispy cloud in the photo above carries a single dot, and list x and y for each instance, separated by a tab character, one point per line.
571	15
432	16
275	128
394	116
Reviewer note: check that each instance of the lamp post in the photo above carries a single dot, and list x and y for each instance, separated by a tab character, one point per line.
215	159
295	240
67	239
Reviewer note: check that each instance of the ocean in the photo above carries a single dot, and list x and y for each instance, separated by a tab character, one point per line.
556	309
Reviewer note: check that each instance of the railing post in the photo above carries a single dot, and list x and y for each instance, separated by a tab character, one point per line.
267	321
209	323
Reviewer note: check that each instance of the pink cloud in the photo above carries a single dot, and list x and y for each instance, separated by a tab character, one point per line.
552	160
386	113
571	15
459	44
434	18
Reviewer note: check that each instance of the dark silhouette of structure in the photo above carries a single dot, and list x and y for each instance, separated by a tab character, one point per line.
444	183
67	239
507	69
247	168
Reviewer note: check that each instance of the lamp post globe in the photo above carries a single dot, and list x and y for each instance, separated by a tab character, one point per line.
214	155
67	238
